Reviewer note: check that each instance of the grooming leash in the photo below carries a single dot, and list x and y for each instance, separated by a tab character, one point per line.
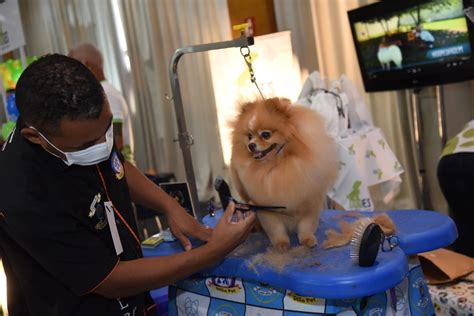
245	52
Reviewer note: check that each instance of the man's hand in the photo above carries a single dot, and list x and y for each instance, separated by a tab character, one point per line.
229	234
146	193
183	225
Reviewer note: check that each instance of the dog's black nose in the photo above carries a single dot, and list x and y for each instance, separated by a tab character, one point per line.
252	146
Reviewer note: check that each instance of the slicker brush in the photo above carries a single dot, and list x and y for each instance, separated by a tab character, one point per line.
365	242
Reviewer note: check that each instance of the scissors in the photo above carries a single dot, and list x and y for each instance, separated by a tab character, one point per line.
225	196
244	207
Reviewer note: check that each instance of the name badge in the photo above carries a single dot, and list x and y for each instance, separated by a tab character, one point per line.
109	210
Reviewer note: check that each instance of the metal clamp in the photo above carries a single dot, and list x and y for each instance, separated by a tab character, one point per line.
245	52
389	242
187	138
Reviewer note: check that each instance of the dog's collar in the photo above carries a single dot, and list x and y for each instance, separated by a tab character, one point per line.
281	147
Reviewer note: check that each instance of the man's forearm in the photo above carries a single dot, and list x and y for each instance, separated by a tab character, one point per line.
140	275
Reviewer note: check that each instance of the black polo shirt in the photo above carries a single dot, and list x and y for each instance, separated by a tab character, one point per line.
55	241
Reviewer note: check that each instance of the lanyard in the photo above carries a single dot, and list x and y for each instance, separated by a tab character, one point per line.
112	206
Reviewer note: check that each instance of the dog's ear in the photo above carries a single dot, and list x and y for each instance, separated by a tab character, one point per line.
245	107
284	101
242	108
279	105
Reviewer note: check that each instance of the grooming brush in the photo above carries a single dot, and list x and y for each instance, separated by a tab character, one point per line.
365	242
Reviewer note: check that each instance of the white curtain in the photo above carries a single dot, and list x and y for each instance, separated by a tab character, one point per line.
155	29
55	26
297	17
323	41
138	39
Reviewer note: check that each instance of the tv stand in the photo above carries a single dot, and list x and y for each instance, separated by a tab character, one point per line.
418	129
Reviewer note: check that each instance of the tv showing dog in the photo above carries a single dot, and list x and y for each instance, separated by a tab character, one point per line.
282	156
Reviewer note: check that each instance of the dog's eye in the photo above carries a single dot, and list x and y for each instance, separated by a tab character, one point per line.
249	135
266	135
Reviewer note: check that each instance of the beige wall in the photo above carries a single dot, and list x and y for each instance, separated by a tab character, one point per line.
459	106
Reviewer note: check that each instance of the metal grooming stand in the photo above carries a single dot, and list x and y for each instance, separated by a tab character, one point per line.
185	139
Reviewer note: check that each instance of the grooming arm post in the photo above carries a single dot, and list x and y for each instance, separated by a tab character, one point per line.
184	138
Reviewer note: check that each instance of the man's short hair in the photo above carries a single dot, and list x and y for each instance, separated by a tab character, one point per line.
57	87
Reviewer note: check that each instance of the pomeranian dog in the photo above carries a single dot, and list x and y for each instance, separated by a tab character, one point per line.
282	156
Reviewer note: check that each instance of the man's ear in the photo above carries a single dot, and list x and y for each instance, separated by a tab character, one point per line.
33	136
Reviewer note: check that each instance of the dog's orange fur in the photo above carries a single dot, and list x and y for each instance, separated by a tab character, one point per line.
296	173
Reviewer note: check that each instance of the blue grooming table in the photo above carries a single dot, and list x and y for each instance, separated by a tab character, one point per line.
336	278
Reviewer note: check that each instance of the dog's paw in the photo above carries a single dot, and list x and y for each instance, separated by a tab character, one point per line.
282	246
309	241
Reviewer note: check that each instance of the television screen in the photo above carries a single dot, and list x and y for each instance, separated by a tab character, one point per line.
412	43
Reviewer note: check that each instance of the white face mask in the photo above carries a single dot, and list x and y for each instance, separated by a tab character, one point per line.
90	156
